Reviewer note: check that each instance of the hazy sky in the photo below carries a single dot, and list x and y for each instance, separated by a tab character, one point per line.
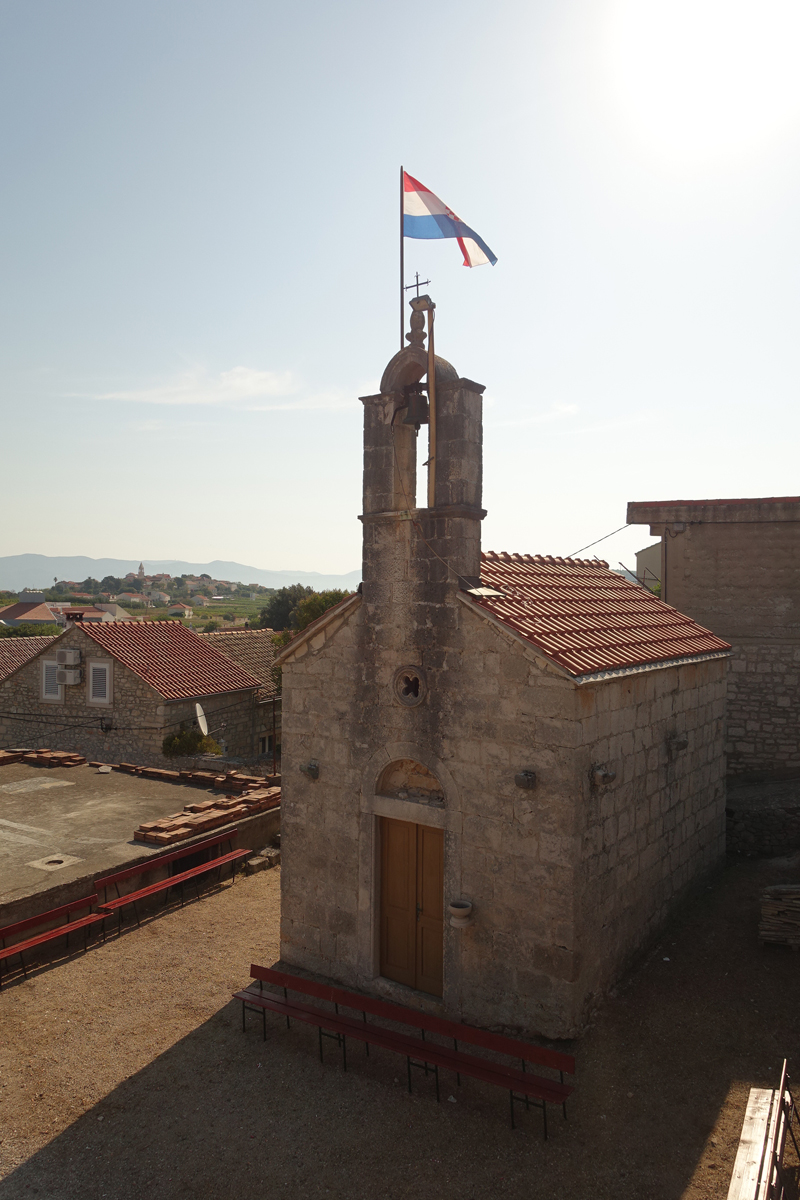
200	262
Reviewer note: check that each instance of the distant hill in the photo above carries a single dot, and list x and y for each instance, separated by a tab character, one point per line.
39	570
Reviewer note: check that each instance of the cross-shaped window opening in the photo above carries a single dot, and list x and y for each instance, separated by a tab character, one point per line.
411	685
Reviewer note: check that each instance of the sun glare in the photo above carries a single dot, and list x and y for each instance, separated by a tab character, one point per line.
705	80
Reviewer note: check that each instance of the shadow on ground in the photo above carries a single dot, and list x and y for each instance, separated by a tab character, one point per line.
663	1078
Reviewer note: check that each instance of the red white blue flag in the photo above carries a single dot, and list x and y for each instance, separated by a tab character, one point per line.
426	216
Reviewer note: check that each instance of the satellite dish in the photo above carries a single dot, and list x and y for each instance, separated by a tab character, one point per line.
201	719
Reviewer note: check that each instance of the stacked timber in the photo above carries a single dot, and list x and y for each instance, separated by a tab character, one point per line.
7	757
205	815
780	915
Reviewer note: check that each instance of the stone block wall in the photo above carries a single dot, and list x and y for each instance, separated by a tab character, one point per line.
734	567
659	826
763	722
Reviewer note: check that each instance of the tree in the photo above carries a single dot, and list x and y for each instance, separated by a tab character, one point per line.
189	742
30	630
313	606
211	627
280	608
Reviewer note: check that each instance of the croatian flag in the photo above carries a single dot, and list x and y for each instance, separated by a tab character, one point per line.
425	216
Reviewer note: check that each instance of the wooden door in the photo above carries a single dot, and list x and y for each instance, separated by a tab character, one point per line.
412	904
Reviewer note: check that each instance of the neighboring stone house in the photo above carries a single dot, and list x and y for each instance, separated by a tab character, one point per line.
254	650
179	610
537	737
132	683
734	565
27	613
648	566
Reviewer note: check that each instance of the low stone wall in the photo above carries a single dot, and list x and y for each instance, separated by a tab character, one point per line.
763	820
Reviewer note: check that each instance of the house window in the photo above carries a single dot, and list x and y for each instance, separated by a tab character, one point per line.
263	745
52	690
99	683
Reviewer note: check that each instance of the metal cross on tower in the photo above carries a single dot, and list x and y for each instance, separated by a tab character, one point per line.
417	284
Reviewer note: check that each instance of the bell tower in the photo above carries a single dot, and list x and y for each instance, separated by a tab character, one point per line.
422	541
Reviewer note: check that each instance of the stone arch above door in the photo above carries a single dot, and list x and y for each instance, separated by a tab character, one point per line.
377	773
407	779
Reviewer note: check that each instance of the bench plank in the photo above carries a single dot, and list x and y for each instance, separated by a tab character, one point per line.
50	935
430	1052
750	1156
545	1057
172	881
52	915
150	864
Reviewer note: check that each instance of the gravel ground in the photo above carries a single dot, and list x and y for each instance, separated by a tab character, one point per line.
125	1074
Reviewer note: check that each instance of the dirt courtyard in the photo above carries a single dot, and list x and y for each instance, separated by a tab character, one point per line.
124	1073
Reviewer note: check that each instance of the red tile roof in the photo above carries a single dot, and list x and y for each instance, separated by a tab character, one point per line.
586	618
27	611
171	658
16	651
252	649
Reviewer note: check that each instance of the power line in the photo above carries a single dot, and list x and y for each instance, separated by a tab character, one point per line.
599	540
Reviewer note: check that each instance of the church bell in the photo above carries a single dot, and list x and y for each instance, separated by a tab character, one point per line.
416	405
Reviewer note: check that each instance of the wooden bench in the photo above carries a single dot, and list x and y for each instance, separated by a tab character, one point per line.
523	1085
177	879
70	926
758	1171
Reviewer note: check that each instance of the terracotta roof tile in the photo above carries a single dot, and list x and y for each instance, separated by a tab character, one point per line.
251	649
27	611
16	651
171	658
586	618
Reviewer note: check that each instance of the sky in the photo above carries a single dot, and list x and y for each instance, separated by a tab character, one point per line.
199	263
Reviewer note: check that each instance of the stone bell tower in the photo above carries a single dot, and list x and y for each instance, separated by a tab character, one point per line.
411	548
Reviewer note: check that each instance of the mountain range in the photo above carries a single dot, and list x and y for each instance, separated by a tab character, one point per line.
18	571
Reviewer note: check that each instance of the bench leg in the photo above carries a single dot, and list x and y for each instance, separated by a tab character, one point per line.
136	914
527	1098
455	1047
366	1044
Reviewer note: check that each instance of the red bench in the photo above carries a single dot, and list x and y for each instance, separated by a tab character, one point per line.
70	926
523	1085
173	880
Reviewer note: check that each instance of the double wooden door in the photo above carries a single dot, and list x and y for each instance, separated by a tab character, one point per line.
412	904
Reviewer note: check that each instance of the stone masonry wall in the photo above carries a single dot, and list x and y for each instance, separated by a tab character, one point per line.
763	720
660	825
138	715
741	579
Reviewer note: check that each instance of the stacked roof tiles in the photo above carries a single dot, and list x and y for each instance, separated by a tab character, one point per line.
586	618
171	658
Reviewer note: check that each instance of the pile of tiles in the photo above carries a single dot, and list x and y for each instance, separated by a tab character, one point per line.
249	795
42	758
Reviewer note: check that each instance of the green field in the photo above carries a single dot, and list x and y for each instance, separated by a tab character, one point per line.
243	610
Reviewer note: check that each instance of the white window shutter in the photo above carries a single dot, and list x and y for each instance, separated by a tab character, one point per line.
99	682
51	686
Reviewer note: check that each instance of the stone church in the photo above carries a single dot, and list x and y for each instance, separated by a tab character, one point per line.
500	771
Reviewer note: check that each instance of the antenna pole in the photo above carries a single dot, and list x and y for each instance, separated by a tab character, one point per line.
402	315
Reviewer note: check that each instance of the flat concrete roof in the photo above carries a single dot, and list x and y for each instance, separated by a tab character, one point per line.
713	512
79	815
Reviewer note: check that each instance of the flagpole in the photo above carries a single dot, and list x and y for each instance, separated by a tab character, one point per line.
402	315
